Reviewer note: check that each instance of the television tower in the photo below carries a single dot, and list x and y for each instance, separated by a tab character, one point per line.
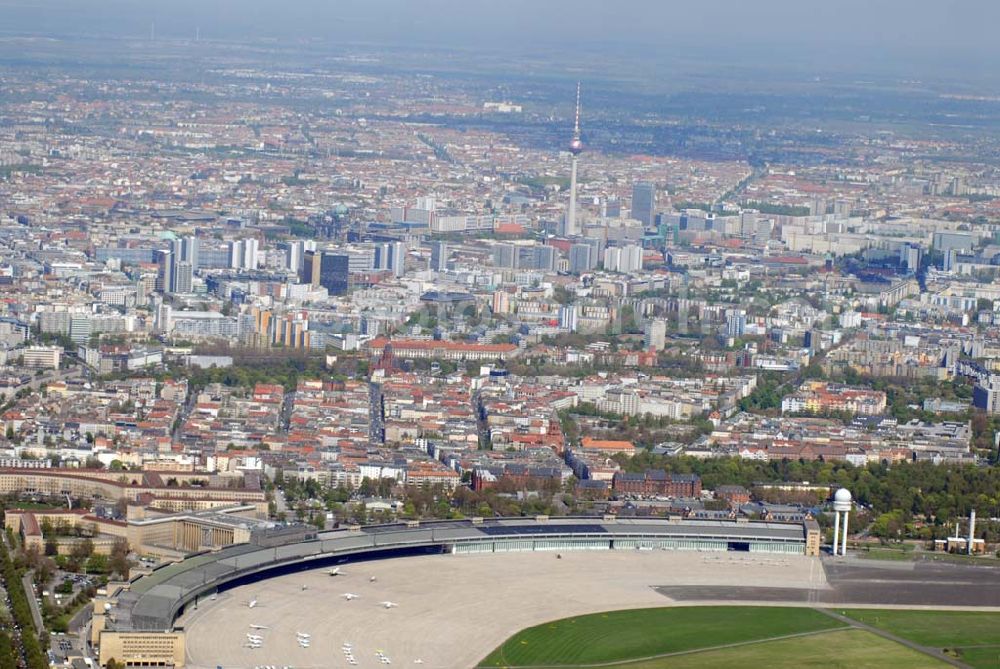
575	148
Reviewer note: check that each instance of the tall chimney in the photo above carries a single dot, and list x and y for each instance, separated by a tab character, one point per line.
972	529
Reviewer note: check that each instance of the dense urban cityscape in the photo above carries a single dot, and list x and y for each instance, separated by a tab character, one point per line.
270	310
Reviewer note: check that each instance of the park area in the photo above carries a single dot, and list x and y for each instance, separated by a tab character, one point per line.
972	637
647	633
742	636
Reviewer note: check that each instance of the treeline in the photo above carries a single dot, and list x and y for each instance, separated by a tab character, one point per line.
8	654
20	610
766	396
286	372
937	493
777	209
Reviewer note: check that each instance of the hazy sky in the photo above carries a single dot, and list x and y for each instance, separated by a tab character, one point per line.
903	35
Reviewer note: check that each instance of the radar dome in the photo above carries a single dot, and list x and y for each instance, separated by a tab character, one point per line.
842	495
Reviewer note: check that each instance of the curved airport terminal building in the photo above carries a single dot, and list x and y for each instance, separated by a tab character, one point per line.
136	623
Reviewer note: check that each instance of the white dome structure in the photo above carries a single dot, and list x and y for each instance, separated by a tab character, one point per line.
843	502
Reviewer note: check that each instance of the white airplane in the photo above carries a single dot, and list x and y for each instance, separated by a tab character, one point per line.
252	603
305	587
333	572
418	661
349	596
303	635
259	627
389	605
372	579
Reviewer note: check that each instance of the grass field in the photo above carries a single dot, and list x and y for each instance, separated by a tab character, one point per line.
838	648
625	635
886	554
973	635
981	658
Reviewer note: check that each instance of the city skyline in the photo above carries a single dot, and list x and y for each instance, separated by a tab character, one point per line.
352	316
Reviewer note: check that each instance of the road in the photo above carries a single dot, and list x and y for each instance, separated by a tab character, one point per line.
376	419
58	375
29	590
15	630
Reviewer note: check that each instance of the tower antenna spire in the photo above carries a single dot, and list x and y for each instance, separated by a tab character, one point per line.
575	149
576	123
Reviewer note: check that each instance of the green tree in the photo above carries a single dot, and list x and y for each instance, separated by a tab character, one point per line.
119	563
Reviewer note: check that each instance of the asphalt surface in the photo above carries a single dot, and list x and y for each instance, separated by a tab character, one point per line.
869	583
479	599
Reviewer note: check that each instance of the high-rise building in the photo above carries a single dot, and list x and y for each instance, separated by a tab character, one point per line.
501	302
391	256
568	317
516	256
424	212
309	272
190	250
625	259
505	255
986	394
183	277
164	271
439	256
382	256
361	259
243	253
909	257
398	258
950	260
644	203
545	257
164	321
250	249
655	335
236	254
613	207
581	258
612	258
736	322
575	148
334	272
293	255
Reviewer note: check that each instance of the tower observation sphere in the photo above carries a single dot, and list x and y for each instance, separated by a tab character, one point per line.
575	148
576	145
842	503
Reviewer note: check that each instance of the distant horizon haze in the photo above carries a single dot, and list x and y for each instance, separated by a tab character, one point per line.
914	38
